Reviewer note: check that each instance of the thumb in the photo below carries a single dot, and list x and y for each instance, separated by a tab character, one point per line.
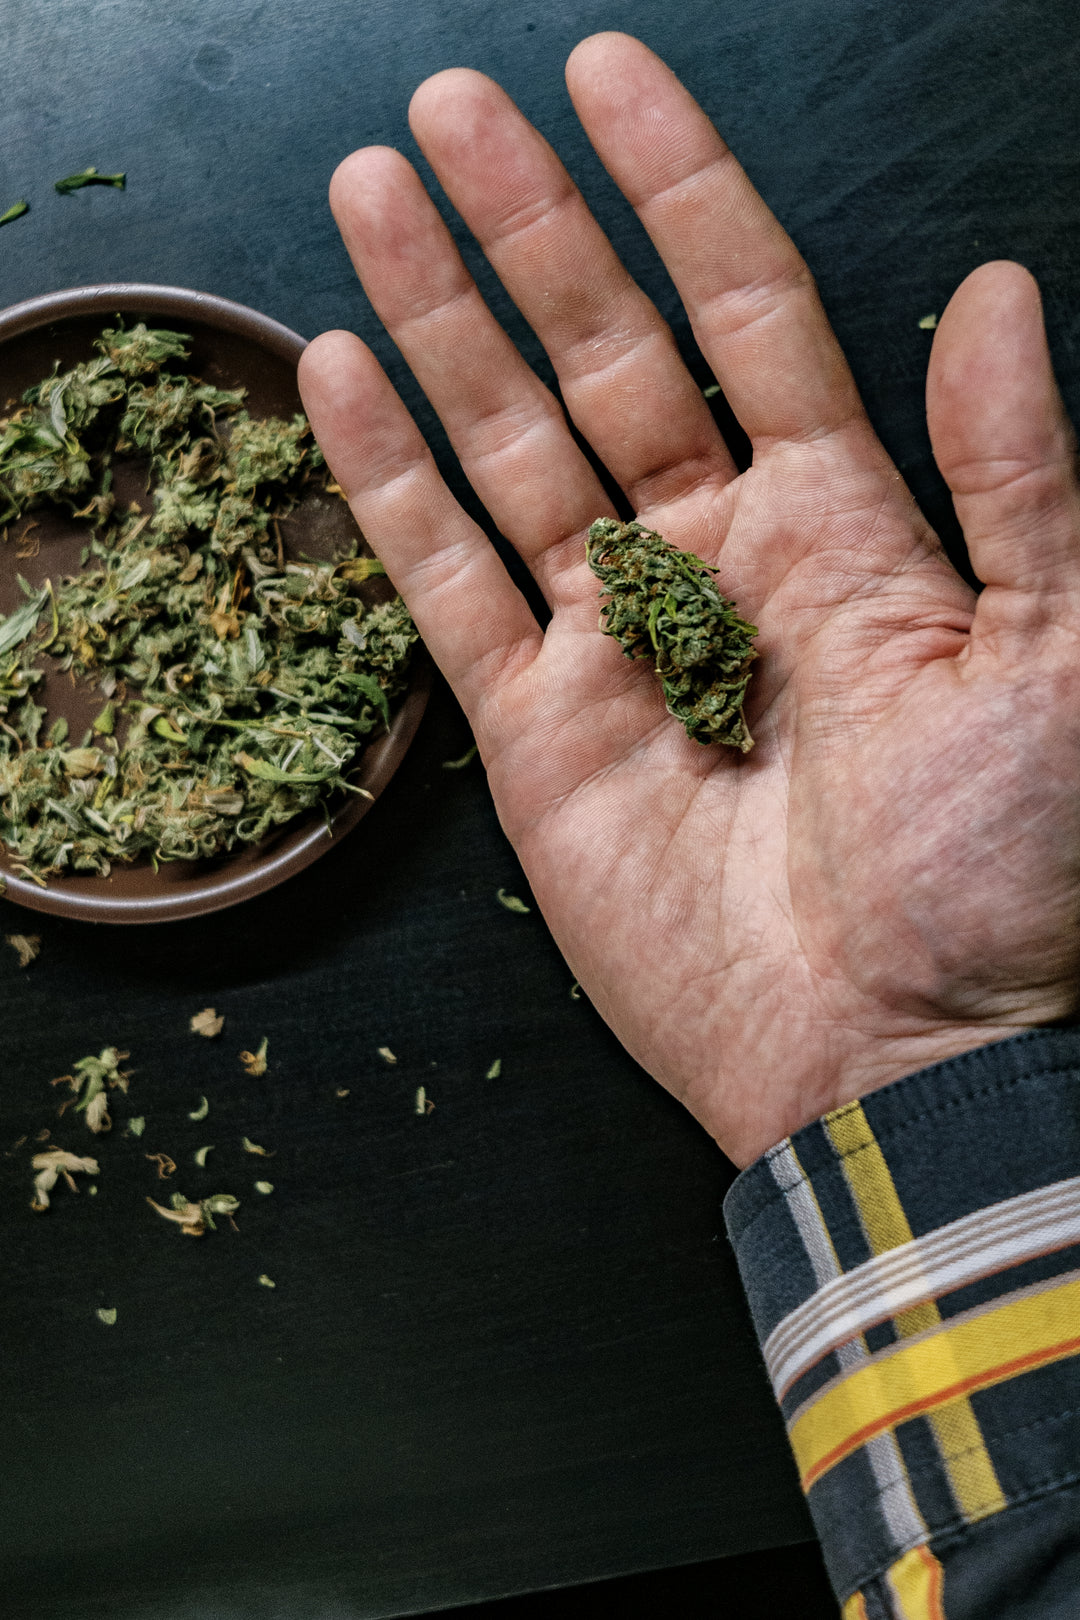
1002	440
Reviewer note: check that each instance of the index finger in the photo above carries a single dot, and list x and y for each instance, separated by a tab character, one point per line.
748	292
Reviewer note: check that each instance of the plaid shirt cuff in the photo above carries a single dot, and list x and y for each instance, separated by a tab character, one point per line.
912	1263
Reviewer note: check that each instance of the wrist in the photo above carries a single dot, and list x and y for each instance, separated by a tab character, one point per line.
852	1064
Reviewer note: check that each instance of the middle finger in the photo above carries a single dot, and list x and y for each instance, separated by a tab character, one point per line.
621	375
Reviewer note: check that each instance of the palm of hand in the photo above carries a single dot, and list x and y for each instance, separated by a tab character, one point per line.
891	876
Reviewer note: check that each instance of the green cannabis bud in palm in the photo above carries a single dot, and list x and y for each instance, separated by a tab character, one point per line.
664	604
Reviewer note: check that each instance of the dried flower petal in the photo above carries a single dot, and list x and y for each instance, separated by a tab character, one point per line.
386	1055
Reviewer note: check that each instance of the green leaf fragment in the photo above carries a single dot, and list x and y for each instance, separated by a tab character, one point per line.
20	624
16	211
663	604
200	1156
512	903
459	764
264	1186
106	1315
495	1070
266	1282
136	1125
202	1110
89	177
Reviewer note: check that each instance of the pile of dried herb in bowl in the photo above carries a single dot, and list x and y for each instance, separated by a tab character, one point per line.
228	682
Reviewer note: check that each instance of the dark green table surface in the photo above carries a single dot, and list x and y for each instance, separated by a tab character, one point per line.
507	1347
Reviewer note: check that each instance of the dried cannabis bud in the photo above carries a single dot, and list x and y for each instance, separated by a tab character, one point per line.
237	687
663	604
92	1080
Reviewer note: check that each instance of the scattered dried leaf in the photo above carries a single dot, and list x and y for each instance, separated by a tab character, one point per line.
196	1219
207	1023
253	1147
459	764
25	946
91	1082
51	1166
255	1062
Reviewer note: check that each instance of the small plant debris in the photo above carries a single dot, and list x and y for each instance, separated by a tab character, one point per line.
89	177
255	1062
53	1165
26	946
207	1023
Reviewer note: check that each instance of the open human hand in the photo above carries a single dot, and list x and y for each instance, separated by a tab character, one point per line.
892	876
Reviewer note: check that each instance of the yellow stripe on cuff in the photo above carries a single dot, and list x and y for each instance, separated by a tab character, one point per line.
963	1450
916	1583
948	1363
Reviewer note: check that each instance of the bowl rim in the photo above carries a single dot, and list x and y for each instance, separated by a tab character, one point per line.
81	897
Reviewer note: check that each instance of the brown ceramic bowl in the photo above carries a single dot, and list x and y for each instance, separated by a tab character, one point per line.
232	347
